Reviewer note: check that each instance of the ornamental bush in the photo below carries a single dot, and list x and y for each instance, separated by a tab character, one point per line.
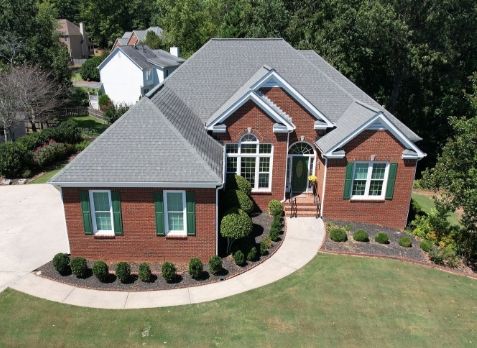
235	224
265	245
275	208
104	101
238	199
169	272
215	264
144	273
381	238
426	245
436	255
405	242
123	272
239	258
61	263
361	236
252	254
277	223
195	268
338	235
50	152
237	182
101	271
79	267
89	70
274	232
113	112
14	159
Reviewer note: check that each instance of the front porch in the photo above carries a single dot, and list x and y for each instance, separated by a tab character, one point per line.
305	204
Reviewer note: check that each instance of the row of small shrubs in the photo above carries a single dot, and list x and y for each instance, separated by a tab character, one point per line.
338	234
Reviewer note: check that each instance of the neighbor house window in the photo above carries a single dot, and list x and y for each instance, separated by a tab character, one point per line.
101	211
369	179
252	160
175	212
148	75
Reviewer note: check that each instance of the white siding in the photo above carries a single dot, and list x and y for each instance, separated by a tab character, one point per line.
122	79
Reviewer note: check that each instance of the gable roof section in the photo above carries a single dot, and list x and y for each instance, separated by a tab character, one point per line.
68	28
141	34
142	148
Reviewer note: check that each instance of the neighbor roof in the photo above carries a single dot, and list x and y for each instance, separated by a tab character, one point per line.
141	34
68	28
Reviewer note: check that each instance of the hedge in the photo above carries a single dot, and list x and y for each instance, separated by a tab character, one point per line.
237	182
238	199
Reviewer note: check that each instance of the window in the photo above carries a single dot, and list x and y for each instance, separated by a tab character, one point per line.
146	90
175	211
369	179
251	160
101	210
148	75
166	73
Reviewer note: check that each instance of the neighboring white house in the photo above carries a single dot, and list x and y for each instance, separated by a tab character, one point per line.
130	72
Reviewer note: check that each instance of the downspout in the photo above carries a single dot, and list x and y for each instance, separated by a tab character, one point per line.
323	191
64	219
224	164
412	186
286	169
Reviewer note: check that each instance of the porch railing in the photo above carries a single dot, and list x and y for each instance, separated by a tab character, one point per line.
316	200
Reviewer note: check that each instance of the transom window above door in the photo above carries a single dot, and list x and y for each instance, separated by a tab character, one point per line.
252	160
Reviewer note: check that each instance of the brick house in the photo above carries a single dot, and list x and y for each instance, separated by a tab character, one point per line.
148	188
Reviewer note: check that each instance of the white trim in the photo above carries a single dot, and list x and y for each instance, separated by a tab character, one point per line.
138	184
281	82
323	191
389	126
93	213
310	156
166	214
251	95
217	219
385	180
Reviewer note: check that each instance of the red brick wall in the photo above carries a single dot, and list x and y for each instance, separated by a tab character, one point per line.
390	213
132	40
139	242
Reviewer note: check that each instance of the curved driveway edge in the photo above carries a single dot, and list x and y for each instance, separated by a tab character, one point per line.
303	239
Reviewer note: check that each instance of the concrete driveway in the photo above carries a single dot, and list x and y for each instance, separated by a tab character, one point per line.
32	229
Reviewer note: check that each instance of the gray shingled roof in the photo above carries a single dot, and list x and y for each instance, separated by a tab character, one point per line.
142	146
146	58
122	41
141	34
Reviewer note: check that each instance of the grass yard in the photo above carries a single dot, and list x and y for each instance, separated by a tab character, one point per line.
47	176
427	204
91	126
334	301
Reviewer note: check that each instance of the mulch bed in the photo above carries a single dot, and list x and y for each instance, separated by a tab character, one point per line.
261	227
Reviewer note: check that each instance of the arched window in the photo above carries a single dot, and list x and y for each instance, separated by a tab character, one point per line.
301	149
252	160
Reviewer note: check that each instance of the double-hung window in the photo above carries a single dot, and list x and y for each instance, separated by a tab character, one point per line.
252	160
369	180
175	212
148	75
101	212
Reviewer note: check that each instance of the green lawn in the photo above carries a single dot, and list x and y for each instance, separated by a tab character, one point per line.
47	176
91	126
334	301
427	204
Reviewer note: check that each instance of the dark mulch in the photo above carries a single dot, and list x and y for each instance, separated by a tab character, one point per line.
393	249
261	227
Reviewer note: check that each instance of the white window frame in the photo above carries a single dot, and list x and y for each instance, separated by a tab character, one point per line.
184	215
311	170
257	155
93	213
148	75
366	195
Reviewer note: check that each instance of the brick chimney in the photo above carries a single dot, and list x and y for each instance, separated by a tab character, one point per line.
175	51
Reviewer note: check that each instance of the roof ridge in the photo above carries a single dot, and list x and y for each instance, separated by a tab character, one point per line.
246	38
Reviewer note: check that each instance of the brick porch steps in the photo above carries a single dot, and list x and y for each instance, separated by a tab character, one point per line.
305	206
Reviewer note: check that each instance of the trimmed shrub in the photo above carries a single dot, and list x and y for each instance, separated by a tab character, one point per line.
453	261
169	272
436	255
101	271
50	153
123	272
275	208
405	242
238	199
61	263
265	245
215	264
144	272
252	254
277	223
361	236
239	258
426	245
381	238
14	159
104	101
89	70
274	233
195	268
338	235
237	182
113	112
236	224
79	267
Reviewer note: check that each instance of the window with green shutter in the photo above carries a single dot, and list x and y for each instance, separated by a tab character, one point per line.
86	212
117	216
348	180
159	209
369	180
190	198
391	180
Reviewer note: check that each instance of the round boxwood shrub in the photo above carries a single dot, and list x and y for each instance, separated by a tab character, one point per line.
61	262
361	236
79	267
236	224
195	268
277	223
252	254
123	272
239	258
405	242
215	264
238	199
144	273
169	272
101	271
275	207
338	235
274	232
237	182
426	245
381	238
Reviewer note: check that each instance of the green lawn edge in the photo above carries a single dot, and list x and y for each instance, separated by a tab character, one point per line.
427	204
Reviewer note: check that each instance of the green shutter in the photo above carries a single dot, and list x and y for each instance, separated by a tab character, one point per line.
391	180
86	211
348	180
117	218
190	208
159	208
